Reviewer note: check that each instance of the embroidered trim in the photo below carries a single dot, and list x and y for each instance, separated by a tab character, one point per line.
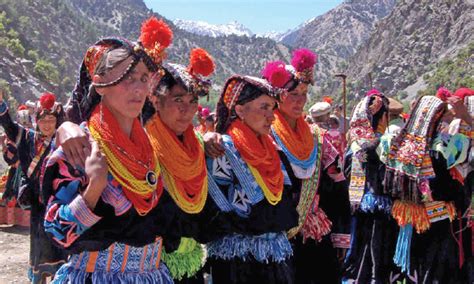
341	240
269	247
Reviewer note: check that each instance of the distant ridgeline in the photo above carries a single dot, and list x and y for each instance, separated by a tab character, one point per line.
42	43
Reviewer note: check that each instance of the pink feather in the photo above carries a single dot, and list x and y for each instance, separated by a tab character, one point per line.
303	59
276	73
443	93
372	92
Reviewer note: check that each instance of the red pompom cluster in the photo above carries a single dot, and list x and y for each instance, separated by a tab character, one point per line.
443	93
328	100
463	92
373	92
155	31
303	59
201	62
276	73
47	101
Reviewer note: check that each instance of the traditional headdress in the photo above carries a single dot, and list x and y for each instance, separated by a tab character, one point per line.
232	94
362	136
192	77
154	38
320	109
462	93
443	93
23	115
409	164
47	105
288	77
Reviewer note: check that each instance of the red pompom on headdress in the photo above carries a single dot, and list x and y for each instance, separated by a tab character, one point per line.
47	101
199	108
303	61
276	73
373	92
443	93
463	92
328	100
22	107
155	36
200	63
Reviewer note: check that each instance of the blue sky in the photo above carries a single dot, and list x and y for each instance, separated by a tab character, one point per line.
259	16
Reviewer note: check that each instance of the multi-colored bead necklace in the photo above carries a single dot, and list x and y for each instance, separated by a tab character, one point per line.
184	165
262	158
131	160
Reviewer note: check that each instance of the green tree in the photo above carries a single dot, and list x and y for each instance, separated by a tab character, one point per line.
46	71
15	46
33	55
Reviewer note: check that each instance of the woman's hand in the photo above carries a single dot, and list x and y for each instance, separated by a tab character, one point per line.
213	144
96	169
75	143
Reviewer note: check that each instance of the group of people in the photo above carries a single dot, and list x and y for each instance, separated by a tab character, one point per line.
124	189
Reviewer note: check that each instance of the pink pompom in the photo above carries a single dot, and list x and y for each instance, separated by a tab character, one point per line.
303	59
276	73
205	112
443	93
373	92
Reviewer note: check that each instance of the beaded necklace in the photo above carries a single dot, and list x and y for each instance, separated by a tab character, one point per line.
262	159
131	161
184	165
298	145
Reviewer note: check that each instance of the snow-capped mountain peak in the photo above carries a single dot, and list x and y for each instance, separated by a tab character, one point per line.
204	28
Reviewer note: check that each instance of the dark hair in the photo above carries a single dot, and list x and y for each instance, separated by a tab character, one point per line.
167	82
224	116
334	120
383	111
210	118
106	63
292	84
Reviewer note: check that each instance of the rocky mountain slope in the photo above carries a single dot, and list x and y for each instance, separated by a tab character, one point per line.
337	34
408	43
54	35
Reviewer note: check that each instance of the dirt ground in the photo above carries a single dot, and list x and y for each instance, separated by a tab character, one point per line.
14	250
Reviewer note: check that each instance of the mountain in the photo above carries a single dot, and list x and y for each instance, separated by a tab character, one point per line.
42	42
407	45
337	34
206	29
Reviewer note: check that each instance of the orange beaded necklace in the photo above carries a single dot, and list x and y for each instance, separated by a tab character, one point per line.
132	161
300	143
184	165
262	157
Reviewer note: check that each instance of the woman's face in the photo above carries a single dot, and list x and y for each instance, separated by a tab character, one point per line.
209	125
47	125
293	102
258	114
126	99
177	108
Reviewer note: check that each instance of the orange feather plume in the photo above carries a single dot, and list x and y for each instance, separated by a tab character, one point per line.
155	31
201	62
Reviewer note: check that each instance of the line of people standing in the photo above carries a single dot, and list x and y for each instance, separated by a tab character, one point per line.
128	191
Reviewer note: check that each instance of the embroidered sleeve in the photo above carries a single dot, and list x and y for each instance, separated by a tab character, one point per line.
67	215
